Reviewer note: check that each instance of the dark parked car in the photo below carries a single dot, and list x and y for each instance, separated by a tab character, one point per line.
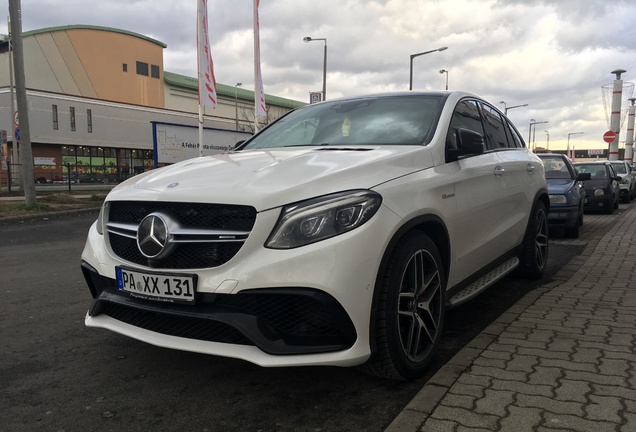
567	195
602	190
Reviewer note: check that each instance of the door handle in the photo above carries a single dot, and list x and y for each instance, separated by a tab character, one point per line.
499	171
530	168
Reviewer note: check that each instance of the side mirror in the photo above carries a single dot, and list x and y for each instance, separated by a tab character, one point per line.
468	143
584	176
618	178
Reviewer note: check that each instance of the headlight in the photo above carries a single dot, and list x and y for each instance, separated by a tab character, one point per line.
558	199
320	218
100	218
625	180
599	192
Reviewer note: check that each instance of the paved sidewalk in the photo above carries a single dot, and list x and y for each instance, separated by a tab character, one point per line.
562	359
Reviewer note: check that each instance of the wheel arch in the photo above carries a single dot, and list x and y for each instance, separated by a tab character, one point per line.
431	225
542	195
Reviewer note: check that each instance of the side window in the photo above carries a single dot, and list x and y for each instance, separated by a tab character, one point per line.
516	140
466	116
496	137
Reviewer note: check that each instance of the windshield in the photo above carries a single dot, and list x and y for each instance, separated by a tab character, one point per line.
399	120
556	168
619	168
597	171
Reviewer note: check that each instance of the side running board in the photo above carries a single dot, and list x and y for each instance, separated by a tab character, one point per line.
483	282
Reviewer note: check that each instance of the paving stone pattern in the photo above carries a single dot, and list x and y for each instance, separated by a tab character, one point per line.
562	359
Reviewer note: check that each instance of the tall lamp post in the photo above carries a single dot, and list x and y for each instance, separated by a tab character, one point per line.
506	108
533	131
446	72
324	65
417	55
572	133
547	142
236	102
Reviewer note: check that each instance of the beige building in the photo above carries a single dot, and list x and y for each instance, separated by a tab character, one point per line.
94	94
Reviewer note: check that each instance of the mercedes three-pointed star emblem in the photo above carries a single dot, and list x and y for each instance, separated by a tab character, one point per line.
152	236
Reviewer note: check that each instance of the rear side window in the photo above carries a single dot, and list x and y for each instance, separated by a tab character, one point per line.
496	137
516	140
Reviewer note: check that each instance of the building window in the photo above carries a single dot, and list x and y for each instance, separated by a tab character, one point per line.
142	68
154	71
72	118
89	120
56	126
124	67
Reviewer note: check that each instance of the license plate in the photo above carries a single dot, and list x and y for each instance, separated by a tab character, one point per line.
168	288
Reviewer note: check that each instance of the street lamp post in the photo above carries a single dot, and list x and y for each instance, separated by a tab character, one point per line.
533	132
324	65
236	102
417	55
512	107
446	72
572	133
547	142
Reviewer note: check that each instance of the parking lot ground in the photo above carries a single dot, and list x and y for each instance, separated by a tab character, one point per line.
562	358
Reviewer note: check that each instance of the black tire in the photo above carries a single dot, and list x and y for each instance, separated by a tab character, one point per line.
534	253
411	310
573	232
616	204
609	209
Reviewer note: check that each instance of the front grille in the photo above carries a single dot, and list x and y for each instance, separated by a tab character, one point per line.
184	256
195	215
193	251
175	325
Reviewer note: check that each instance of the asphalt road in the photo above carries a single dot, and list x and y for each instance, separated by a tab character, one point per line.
58	375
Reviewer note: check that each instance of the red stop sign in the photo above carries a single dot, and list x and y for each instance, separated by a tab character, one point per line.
609	136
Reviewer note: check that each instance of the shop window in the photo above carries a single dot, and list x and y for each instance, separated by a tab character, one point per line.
56	126
154	71
68	150
89	120
72	112
142	68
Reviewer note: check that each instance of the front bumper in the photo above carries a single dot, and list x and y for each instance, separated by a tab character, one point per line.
598	203
277	321
563	217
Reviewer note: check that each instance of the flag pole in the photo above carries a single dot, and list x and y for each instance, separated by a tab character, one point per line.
259	94
200	15
205	67
256	60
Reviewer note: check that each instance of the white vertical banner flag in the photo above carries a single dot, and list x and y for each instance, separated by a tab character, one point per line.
259	98
207	82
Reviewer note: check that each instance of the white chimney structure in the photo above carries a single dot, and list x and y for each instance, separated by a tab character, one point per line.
615	117
629	140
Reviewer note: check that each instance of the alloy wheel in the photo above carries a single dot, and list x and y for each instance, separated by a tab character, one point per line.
420	306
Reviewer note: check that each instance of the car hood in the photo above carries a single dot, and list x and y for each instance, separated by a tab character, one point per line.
559	186
271	178
593	184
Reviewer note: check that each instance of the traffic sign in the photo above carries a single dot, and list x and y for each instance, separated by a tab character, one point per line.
609	136
16	120
17	134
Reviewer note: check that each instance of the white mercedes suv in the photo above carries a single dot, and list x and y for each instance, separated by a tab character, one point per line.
338	235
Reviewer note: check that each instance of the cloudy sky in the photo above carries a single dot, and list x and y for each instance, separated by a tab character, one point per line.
554	55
